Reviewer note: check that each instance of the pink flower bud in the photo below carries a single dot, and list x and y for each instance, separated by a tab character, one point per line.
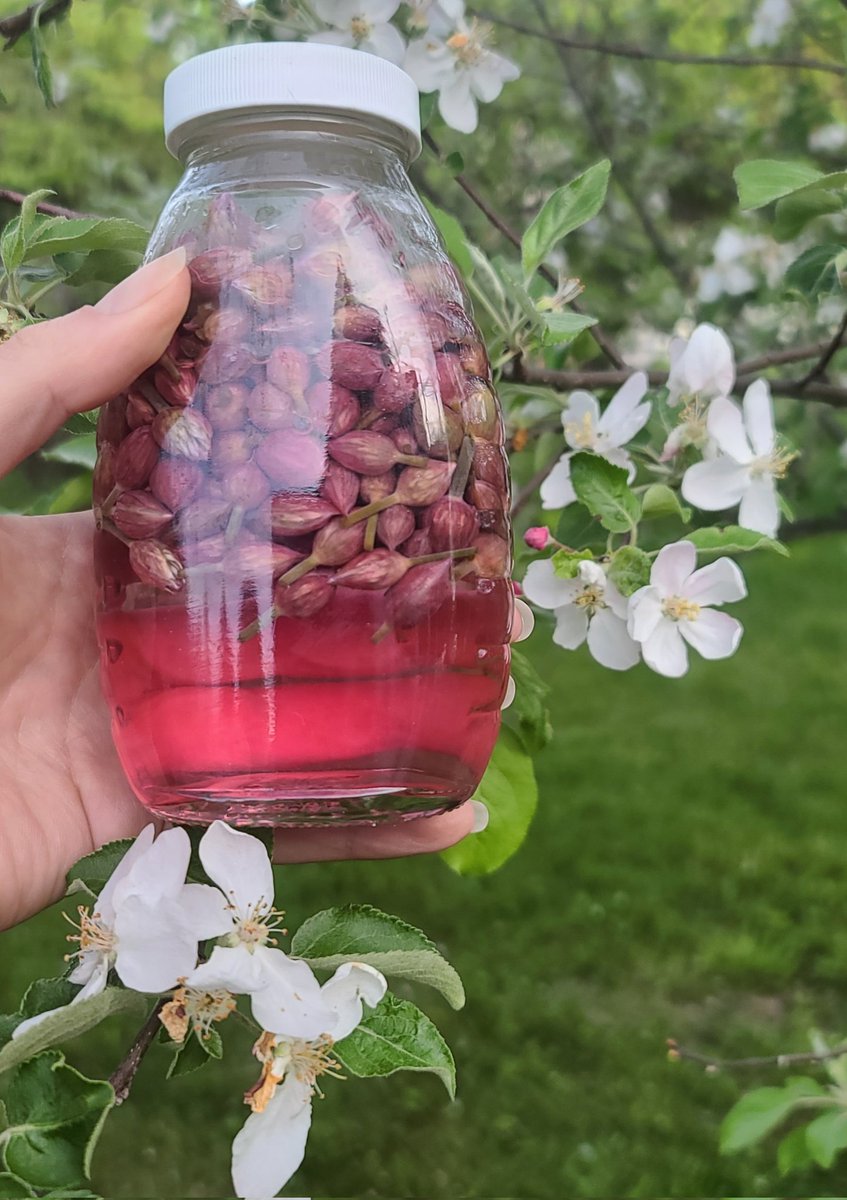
422	486
270	408
333	408
211	269
324	266
352	364
295	515
335	545
474	359
373	571
203	518
228	224
291	460
290	370
258	558
183	432
139	410
305	597
225	363
419	543
420	593
538	537
112	422
246	486
451	378
229	326
137	455
231	449
493	556
404	440
180	391
140	515
358	323
441	435
176	481
490	464
365	452
377	487
397	524
386	424
479	409
264	287
155	564
225	406
396	390
206	550
451	522
340	487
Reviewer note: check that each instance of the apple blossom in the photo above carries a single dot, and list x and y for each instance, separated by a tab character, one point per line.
675	610
701	368
436	17
748	465
271	1145
362	25
588	608
607	434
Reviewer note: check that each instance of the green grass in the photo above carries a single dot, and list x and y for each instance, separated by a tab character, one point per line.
686	876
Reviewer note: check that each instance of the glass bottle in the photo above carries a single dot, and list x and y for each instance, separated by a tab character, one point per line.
303	544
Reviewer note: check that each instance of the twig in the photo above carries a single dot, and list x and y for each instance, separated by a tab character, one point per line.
13	28
620	50
123	1076
599	335
52	210
814	526
832	348
713	1065
527	493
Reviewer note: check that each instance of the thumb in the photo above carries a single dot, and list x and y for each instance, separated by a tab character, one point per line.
75	363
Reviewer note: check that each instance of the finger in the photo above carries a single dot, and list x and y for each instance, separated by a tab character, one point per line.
422	835
51	370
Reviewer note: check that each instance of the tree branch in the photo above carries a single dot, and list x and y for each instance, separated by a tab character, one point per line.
619	50
831	349
52	210
13	28
123	1076
677	1053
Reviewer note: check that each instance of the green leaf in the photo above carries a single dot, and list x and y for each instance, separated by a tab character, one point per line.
792	1153
69	1022
397	1036
528	714
604	490
98	266
15	236
629	569
560	328
40	61
55	1116
826	1137
794	213
510	793
732	539
428	106
566	562
77	451
661	501
568	208
455	163
359	933
760	1111
93	871
764	180
40	996
11	1187
817	272
194	1053
454	238
78	235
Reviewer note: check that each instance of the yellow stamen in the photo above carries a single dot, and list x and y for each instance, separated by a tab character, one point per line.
591	598
307	1061
680	609
581	433
360	28
93	934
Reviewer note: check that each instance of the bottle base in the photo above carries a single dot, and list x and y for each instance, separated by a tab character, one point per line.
288	801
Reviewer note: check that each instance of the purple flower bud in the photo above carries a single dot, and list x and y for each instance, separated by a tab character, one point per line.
177	391
305	597
377	487
139	410
451	378
176	481
291	460
264	287
451	523
225	363
366	452
373	571
422	486
479	409
225	406
211	269
295	515
289	369
335	545
183	432
493	556
474	359
340	487
352	364
418	544
442	434
358	323
538	537
137	455
231	449
397	524
246	486
270	408
155	564
203	518
140	515
420	593
396	390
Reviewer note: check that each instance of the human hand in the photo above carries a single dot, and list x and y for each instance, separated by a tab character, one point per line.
62	790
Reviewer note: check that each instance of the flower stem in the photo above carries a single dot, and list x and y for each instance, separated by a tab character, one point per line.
370	532
368	510
122	1077
463	468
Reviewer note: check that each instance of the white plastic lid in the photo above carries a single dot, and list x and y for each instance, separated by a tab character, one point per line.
289	75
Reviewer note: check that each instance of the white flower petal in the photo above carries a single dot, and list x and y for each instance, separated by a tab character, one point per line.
625	415
270	1146
619	458
239	865
720	582
385	42
713	634
332	38
487	77
664	650
726	425
644	613
758	417
610	644
141	845
557	489
705	367
352	984
618	603
290	1004
580	419
154	950
95	984
543	586
157	874
673	565
232	968
204	911
377	11
571	627
457	105
759	507
430	64
715	484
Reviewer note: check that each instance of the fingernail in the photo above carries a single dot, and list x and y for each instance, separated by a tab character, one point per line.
527	620
480	816
510	693
145	283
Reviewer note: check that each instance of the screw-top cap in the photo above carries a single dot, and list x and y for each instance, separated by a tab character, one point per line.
288	76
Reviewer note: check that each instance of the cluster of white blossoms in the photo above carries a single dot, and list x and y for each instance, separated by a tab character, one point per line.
444	53
147	925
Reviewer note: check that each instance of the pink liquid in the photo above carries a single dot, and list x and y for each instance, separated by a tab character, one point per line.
311	718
